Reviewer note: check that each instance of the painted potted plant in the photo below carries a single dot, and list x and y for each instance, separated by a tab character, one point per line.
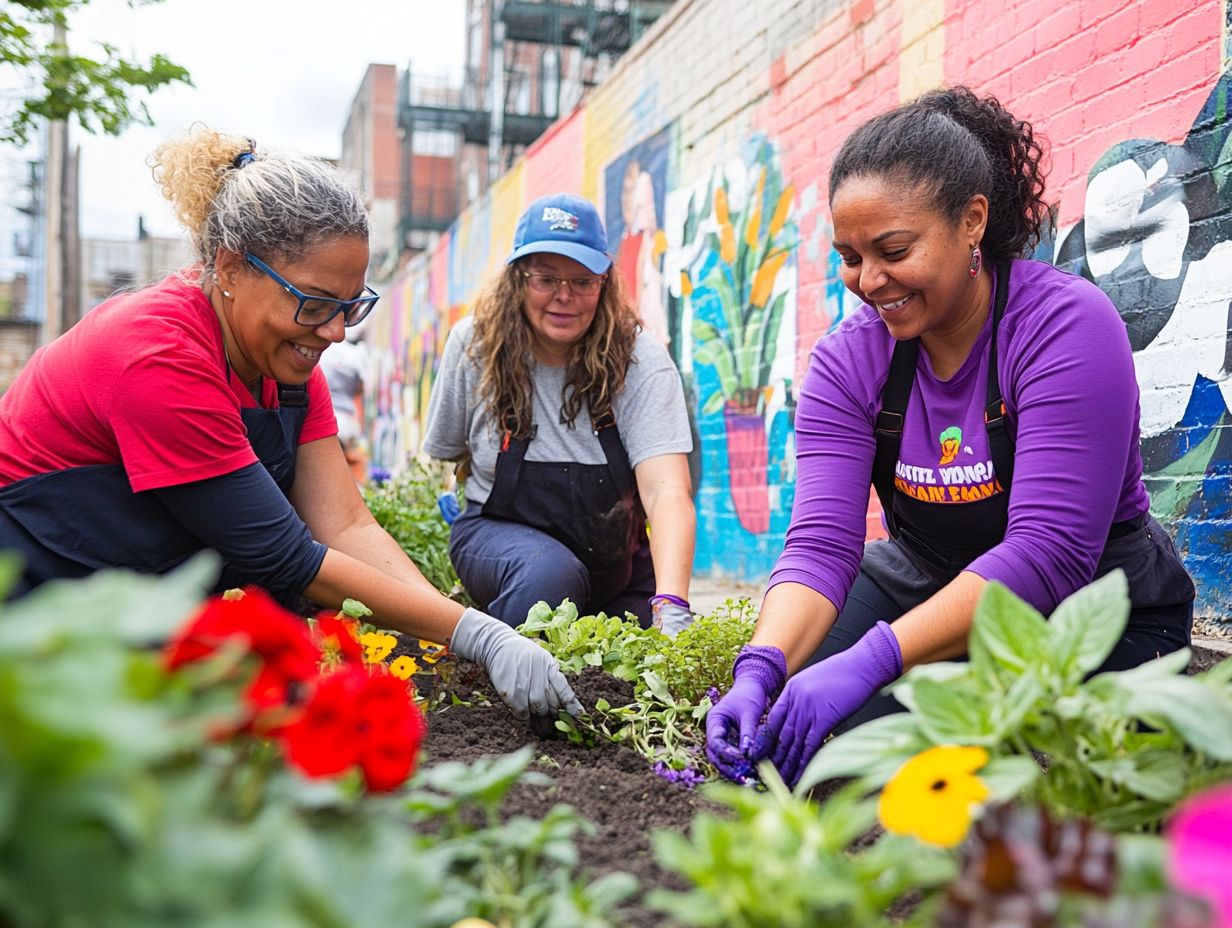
745	236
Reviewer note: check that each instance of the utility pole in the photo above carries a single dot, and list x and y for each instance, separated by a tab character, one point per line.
53	177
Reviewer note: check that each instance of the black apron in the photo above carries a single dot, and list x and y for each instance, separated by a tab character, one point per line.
926	531
73	522
592	509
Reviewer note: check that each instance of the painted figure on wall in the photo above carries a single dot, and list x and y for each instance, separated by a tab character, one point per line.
636	184
1156	236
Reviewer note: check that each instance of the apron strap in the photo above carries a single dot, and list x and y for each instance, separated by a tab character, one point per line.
293	395
614	452
1000	442
897	392
889	426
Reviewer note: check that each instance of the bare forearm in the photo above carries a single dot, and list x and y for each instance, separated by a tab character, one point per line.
366	541
938	628
795	619
673	529
413	608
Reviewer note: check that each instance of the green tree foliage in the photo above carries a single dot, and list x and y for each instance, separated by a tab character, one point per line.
99	92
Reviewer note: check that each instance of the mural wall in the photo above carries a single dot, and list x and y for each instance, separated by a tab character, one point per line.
709	161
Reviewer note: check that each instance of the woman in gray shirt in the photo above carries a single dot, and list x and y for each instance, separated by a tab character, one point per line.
571	429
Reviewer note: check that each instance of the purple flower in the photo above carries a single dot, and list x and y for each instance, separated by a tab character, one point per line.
688	777
378	475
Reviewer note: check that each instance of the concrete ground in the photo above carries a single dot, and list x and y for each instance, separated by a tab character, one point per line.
707	593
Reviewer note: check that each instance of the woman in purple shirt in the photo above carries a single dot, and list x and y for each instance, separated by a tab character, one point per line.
993	402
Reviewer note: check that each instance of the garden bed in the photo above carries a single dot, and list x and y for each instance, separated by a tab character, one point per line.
610	785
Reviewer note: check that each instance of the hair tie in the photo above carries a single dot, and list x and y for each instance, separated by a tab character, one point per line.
242	159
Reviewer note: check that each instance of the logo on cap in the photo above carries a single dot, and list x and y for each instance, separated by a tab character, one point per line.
558	218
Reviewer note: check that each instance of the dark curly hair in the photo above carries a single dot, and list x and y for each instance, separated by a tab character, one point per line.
954	145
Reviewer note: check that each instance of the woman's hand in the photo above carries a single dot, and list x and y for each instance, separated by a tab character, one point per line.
735	737
819	697
526	676
671	614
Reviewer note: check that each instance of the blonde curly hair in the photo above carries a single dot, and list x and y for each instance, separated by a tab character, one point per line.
229	195
501	347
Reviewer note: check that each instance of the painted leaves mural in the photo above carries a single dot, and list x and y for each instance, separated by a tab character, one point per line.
738	238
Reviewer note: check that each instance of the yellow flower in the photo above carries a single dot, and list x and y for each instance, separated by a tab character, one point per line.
932	794
432	652
404	667
377	646
233	594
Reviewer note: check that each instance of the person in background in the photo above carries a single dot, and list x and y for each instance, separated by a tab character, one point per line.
193	414
992	399
343	367
572	431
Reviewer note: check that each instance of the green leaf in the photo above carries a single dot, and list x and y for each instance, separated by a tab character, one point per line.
949	715
354	609
1009	777
714	404
1087	625
1008	636
873	751
1155	775
1201	716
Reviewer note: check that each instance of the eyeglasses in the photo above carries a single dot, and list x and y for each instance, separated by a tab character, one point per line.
316	311
582	286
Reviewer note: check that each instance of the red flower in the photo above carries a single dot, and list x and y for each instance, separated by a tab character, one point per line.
393	729
338	635
325	740
288	656
356	719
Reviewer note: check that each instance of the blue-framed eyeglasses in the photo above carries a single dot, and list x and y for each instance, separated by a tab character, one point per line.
316	311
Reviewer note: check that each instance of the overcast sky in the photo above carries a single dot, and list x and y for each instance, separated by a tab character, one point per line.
281	71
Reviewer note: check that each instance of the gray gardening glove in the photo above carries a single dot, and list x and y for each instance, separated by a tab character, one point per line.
671	614
527	677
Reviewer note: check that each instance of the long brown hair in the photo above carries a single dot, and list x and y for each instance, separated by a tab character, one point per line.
501	346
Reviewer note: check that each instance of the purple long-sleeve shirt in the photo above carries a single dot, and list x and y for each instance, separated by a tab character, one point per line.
1067	375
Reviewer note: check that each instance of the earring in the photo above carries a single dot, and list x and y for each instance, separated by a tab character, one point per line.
227	293
977	260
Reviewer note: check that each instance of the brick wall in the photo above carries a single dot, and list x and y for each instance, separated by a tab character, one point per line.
756	98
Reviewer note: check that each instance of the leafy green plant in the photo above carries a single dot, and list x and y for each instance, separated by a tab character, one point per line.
519	871
122	806
1121	748
779	861
700	657
675	678
406	507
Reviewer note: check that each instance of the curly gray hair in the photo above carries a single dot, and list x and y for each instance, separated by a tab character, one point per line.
229	196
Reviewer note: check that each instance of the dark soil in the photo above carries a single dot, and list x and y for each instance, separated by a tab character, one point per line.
610	785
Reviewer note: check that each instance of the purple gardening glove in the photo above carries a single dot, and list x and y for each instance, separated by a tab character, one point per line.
734	733
819	697
671	614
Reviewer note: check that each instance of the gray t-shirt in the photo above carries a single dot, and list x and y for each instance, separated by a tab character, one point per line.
650	414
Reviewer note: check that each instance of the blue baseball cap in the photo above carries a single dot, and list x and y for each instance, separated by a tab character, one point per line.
562	224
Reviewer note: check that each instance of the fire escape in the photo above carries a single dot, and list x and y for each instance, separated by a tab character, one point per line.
538	61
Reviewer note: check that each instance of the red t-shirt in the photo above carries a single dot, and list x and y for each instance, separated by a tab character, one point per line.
141	381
